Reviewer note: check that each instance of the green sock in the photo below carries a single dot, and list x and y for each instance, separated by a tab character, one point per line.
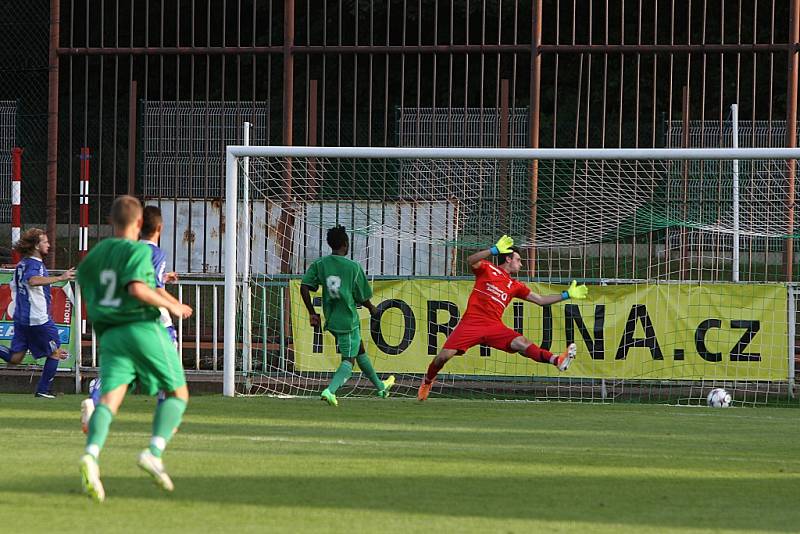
166	419
341	375
366	367
98	429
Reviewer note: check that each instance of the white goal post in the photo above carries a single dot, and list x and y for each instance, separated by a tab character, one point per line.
631	168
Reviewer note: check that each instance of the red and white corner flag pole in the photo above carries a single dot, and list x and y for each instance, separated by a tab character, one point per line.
16	197
83	233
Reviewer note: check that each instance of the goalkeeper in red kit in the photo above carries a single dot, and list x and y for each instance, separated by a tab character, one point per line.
482	322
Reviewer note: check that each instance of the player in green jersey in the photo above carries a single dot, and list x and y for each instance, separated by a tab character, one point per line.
117	281
344	286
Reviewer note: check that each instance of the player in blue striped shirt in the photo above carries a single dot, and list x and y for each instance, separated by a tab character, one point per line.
34	328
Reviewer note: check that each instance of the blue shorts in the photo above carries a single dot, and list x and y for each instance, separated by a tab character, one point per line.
173	335
94	390
42	340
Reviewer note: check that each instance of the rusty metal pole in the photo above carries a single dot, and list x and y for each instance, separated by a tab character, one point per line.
132	140
288	71
52	131
287	218
504	143
536	70
791	132
286	225
313	183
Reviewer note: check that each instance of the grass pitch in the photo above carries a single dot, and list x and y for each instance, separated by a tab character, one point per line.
271	465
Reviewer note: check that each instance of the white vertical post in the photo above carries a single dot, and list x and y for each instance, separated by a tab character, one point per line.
215	322
94	348
180	322
197	323
247	325
229	309
735	125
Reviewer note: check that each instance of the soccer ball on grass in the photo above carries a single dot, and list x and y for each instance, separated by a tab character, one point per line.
718	398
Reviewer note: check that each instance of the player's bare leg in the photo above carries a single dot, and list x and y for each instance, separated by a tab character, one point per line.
433	369
15	358
87	409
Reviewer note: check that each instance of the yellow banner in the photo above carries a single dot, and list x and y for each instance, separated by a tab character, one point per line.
665	331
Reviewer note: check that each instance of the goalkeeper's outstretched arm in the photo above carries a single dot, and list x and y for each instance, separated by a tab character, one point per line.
574	291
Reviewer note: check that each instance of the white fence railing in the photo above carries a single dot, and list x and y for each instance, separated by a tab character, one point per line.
200	335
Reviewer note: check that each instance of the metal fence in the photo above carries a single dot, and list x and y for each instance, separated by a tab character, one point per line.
199	337
8	139
183	145
338	73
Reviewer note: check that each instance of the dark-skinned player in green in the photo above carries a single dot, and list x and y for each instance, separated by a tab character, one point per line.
344	286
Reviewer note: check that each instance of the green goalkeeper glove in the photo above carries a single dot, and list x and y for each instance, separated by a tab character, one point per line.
503	246
575	291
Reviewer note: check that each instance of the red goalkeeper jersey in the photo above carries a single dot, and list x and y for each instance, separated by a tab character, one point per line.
494	288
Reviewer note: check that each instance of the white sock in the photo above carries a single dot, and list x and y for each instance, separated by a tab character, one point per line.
158	442
93	450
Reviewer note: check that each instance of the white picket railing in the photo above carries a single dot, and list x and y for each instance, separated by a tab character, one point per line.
189	291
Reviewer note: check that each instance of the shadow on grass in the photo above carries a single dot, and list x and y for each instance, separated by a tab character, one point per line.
766	504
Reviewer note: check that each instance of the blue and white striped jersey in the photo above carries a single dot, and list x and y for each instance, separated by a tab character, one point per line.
31	304
160	267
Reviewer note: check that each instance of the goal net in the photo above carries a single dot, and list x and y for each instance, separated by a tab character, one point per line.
684	253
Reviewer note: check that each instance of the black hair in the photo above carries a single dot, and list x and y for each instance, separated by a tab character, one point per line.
337	237
503	257
151	216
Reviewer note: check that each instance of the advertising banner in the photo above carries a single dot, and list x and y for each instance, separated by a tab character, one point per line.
62	307
633	331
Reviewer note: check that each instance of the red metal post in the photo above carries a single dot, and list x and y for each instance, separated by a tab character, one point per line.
83	234
16	197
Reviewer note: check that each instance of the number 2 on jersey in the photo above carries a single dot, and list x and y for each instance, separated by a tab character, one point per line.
108	278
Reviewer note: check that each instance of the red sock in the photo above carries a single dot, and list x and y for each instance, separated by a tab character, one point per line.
538	354
433	370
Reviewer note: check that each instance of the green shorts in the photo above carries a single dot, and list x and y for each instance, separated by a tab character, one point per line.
143	352
348	342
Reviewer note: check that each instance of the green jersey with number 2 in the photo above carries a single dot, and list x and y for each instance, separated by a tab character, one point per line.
104	275
344	285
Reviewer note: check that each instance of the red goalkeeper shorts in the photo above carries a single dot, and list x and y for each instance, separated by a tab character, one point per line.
470	332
